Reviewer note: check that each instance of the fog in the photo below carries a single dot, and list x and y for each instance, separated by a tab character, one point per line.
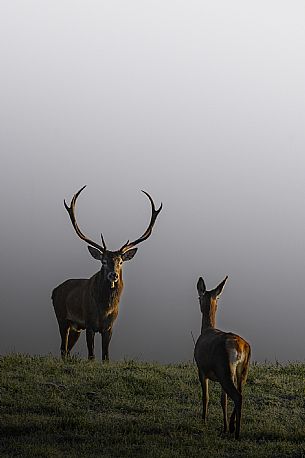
200	103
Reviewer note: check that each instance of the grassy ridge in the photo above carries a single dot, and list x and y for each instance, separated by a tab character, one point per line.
51	408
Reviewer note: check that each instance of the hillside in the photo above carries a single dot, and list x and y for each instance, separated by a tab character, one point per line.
51	408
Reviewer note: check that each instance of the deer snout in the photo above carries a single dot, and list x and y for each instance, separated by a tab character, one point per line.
113	278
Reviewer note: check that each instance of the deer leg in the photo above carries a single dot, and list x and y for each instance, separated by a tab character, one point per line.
232	421
238	405
239	382
224	398
73	338
226	380
236	397
205	394
233	415
237	408
106	337
64	329
90	343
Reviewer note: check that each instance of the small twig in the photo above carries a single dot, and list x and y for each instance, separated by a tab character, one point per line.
194	345
193	338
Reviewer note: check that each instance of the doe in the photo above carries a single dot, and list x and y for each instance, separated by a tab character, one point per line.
221	356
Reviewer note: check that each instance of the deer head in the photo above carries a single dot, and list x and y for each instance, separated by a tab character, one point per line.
112	261
208	300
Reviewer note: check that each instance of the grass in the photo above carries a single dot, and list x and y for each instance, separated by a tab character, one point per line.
79	408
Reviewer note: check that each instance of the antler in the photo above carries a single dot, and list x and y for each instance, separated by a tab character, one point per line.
147	233
71	210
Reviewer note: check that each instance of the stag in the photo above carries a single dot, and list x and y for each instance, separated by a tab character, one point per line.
92	304
220	356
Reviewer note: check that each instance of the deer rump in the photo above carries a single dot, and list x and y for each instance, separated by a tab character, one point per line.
216	345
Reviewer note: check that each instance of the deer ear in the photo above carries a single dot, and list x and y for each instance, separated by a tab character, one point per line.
201	287
218	290
129	254
95	253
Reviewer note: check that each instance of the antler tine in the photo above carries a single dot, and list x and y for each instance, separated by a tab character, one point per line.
125	244
147	233
103	242
71	211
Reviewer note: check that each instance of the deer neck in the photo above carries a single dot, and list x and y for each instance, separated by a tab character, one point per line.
209	317
103	291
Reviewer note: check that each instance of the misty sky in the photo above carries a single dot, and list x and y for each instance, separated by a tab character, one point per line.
202	104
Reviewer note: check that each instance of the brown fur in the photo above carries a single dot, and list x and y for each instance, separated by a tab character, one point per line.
222	357
89	304
93	303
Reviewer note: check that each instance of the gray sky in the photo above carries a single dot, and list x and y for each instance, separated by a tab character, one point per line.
202	104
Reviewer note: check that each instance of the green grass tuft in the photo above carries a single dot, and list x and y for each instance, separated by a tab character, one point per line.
79	408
